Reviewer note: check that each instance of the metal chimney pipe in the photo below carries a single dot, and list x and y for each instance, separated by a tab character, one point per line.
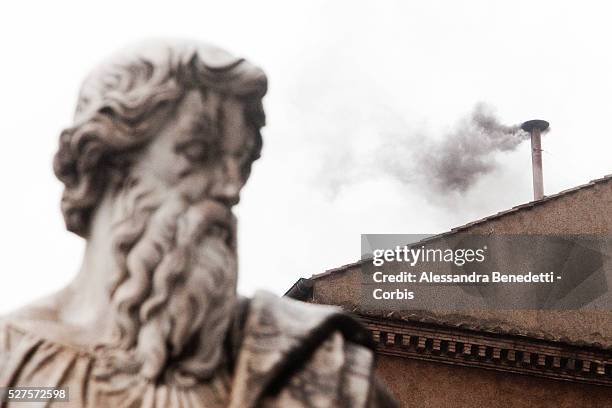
535	128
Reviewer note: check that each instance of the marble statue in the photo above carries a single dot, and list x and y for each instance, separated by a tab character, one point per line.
163	140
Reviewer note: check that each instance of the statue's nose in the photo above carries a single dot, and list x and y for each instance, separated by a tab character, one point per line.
228	194
228	189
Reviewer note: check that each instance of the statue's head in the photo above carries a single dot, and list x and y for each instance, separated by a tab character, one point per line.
189	88
163	141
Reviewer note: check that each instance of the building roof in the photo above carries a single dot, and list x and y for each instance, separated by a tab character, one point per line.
595	333
464	227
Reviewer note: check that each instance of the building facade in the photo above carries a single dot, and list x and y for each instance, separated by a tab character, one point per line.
488	358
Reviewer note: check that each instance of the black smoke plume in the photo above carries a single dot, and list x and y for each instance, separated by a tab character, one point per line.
457	160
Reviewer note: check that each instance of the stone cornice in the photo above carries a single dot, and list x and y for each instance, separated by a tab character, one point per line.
506	353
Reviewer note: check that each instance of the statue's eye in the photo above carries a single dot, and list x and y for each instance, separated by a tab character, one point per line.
195	151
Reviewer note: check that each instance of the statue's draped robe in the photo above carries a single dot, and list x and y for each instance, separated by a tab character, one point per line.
281	353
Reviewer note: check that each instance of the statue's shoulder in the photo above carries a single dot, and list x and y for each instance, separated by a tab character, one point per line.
18	326
11	339
10	332
28	318
294	353
33	323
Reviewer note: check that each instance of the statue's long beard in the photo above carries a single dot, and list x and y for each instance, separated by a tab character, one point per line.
175	288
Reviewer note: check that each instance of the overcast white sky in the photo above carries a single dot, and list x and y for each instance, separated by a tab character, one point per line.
346	77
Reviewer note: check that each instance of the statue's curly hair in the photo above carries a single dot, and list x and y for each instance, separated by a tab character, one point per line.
117	106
